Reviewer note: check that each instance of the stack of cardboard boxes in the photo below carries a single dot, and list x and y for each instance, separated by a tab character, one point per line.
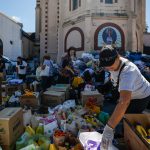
55	95
11	127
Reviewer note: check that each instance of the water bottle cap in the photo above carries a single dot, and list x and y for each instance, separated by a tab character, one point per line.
40	124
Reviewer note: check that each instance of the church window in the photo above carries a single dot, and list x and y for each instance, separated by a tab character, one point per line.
101	1
74	4
108	1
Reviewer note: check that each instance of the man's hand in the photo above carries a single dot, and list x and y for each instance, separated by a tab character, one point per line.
107	137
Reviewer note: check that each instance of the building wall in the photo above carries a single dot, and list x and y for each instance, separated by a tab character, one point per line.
70	28
48	34
10	34
27	48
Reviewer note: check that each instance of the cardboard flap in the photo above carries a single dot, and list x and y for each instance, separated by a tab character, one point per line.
7	113
54	93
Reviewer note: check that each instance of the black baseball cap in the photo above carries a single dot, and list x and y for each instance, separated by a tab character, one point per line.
108	55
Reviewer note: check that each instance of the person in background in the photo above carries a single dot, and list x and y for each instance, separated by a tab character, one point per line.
35	85
67	71
70	57
38	72
48	62
44	74
134	90
21	68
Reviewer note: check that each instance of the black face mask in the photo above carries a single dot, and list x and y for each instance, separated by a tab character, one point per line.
19	62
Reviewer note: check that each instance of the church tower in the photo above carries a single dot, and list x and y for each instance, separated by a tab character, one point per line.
46	27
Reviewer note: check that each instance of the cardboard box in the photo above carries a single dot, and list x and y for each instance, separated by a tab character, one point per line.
52	98
132	138
10	89
11	125
85	95
61	88
30	101
9	147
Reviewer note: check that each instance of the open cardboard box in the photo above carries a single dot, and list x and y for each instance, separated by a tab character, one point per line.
132	138
30	101
52	98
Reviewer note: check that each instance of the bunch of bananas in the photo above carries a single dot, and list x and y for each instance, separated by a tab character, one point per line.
143	133
30	130
91	119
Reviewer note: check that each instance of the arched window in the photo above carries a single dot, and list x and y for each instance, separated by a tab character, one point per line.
74	38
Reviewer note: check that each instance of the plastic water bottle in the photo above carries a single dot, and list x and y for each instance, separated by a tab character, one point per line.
40	129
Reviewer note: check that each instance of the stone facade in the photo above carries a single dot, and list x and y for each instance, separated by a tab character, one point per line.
88	25
28	47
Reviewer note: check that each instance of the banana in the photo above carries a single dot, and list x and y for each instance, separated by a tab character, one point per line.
141	130
28	93
30	130
147	139
148	132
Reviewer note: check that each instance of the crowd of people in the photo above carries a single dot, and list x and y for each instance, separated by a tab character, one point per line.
132	90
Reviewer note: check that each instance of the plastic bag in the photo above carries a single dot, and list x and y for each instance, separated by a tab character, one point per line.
69	104
27	117
49	128
92	140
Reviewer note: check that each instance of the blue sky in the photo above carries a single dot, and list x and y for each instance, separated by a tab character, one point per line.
24	11
21	10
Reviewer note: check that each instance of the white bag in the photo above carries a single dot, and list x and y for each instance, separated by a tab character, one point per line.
69	104
49	128
92	140
27	117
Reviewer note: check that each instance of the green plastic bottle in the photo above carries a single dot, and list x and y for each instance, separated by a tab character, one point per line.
103	117
22	141
40	129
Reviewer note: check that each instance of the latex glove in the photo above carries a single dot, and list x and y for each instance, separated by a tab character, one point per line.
107	137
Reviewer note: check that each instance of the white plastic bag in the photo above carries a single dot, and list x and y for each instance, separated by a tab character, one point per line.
49	128
69	104
92	140
27	117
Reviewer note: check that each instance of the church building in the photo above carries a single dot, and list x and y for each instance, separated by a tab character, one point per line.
89	25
